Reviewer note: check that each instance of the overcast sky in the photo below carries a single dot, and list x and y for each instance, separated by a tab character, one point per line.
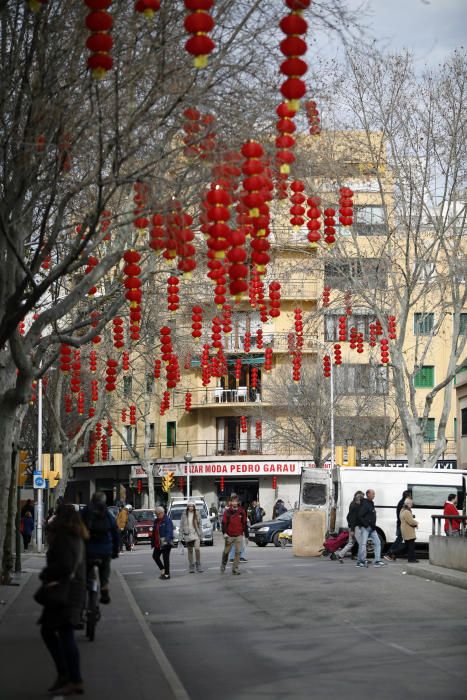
431	29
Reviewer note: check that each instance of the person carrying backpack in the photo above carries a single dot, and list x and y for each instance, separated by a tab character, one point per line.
104	540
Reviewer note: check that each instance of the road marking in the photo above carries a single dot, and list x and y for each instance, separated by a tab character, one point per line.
167	669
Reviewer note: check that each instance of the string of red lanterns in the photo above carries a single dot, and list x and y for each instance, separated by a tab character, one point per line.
99	22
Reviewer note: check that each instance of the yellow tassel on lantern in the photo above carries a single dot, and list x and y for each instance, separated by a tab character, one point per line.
254	213
293	105
200	61
34	5
284	169
187	275
219	255
98	73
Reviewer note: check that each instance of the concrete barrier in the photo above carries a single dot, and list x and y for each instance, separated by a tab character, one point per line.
308	527
450	552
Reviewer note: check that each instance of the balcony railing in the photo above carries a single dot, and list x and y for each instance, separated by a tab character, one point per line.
451	447
212	396
201	448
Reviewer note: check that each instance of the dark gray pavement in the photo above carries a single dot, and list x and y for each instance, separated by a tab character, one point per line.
286	628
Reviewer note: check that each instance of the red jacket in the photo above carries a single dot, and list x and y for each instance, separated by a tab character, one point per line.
450	509
234	522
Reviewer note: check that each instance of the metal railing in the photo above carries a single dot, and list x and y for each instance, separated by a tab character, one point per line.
400	449
202	448
217	395
436	524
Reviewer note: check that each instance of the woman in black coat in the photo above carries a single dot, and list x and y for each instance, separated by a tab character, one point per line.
66	560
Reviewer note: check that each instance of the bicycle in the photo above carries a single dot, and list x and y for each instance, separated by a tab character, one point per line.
92	613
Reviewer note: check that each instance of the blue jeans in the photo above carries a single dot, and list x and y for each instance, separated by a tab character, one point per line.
365	534
62	646
242	553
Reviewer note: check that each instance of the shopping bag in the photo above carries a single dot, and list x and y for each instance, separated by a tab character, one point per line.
181	549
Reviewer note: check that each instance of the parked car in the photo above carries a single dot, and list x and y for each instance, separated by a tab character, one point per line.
144	524
178	506
269	530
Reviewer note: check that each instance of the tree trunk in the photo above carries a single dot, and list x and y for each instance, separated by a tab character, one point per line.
7	421
149	469
9	541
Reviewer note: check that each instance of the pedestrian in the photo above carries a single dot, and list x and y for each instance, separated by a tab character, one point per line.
66	569
398	545
234	528
214	514
278	509
162	541
28	508
190	536
129	533
104	540
451	527
122	521
408	527
366	523
255	513
26	529
352	519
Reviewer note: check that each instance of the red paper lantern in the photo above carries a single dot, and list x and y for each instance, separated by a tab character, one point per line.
247	341
392	331
384	344
326	297
313	223
337	354
345	206
258	429
329	226
148	8
268	359
221	484
294	26
243	424
188	401
313	117
65	358
199	23
327	366
342	328
111	374
274	483
99	22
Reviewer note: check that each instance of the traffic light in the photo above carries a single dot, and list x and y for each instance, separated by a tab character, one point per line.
170	480
23	467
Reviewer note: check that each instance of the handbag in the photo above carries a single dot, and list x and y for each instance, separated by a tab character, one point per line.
54	594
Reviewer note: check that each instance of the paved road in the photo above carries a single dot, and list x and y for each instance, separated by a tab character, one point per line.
288	628
303	628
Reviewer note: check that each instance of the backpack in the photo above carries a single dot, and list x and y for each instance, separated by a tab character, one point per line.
98	524
122	519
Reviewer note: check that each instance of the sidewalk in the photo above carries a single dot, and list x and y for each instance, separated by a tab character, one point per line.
450	577
119	663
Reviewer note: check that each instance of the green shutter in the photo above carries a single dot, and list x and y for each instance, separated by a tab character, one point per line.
425	377
423	323
429	435
171	434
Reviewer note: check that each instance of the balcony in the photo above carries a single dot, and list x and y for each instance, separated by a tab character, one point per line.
200	448
214	396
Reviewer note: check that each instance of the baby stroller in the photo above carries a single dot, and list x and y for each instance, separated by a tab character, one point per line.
334	542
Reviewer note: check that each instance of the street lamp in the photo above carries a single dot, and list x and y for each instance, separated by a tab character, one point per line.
188	457
40	507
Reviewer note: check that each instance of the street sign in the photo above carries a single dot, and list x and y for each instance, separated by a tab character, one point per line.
38	481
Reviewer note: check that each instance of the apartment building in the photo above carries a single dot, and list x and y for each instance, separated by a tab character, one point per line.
228	439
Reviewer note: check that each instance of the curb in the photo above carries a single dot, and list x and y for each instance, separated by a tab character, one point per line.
446	576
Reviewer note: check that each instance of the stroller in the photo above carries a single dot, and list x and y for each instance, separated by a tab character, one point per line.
334	542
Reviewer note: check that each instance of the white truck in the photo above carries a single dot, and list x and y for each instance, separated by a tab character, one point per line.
333	490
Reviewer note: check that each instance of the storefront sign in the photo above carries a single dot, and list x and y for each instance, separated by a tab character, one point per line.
237	468
137	472
403	463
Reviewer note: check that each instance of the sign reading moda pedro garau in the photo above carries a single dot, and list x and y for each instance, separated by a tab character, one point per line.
239	468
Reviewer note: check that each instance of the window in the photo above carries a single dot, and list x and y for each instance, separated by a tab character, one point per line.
455	428
360	321
425	377
348	274
423	323
425	271
429	433
463	325
370	221
152	434
149	383
360	379
463	422
171	433
130	435
430	496
127	385
314	494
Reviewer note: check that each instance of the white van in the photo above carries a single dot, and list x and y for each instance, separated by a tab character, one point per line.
178	506
332	491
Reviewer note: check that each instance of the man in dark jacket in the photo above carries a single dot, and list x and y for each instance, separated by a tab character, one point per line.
104	539
234	528
398	545
366	521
